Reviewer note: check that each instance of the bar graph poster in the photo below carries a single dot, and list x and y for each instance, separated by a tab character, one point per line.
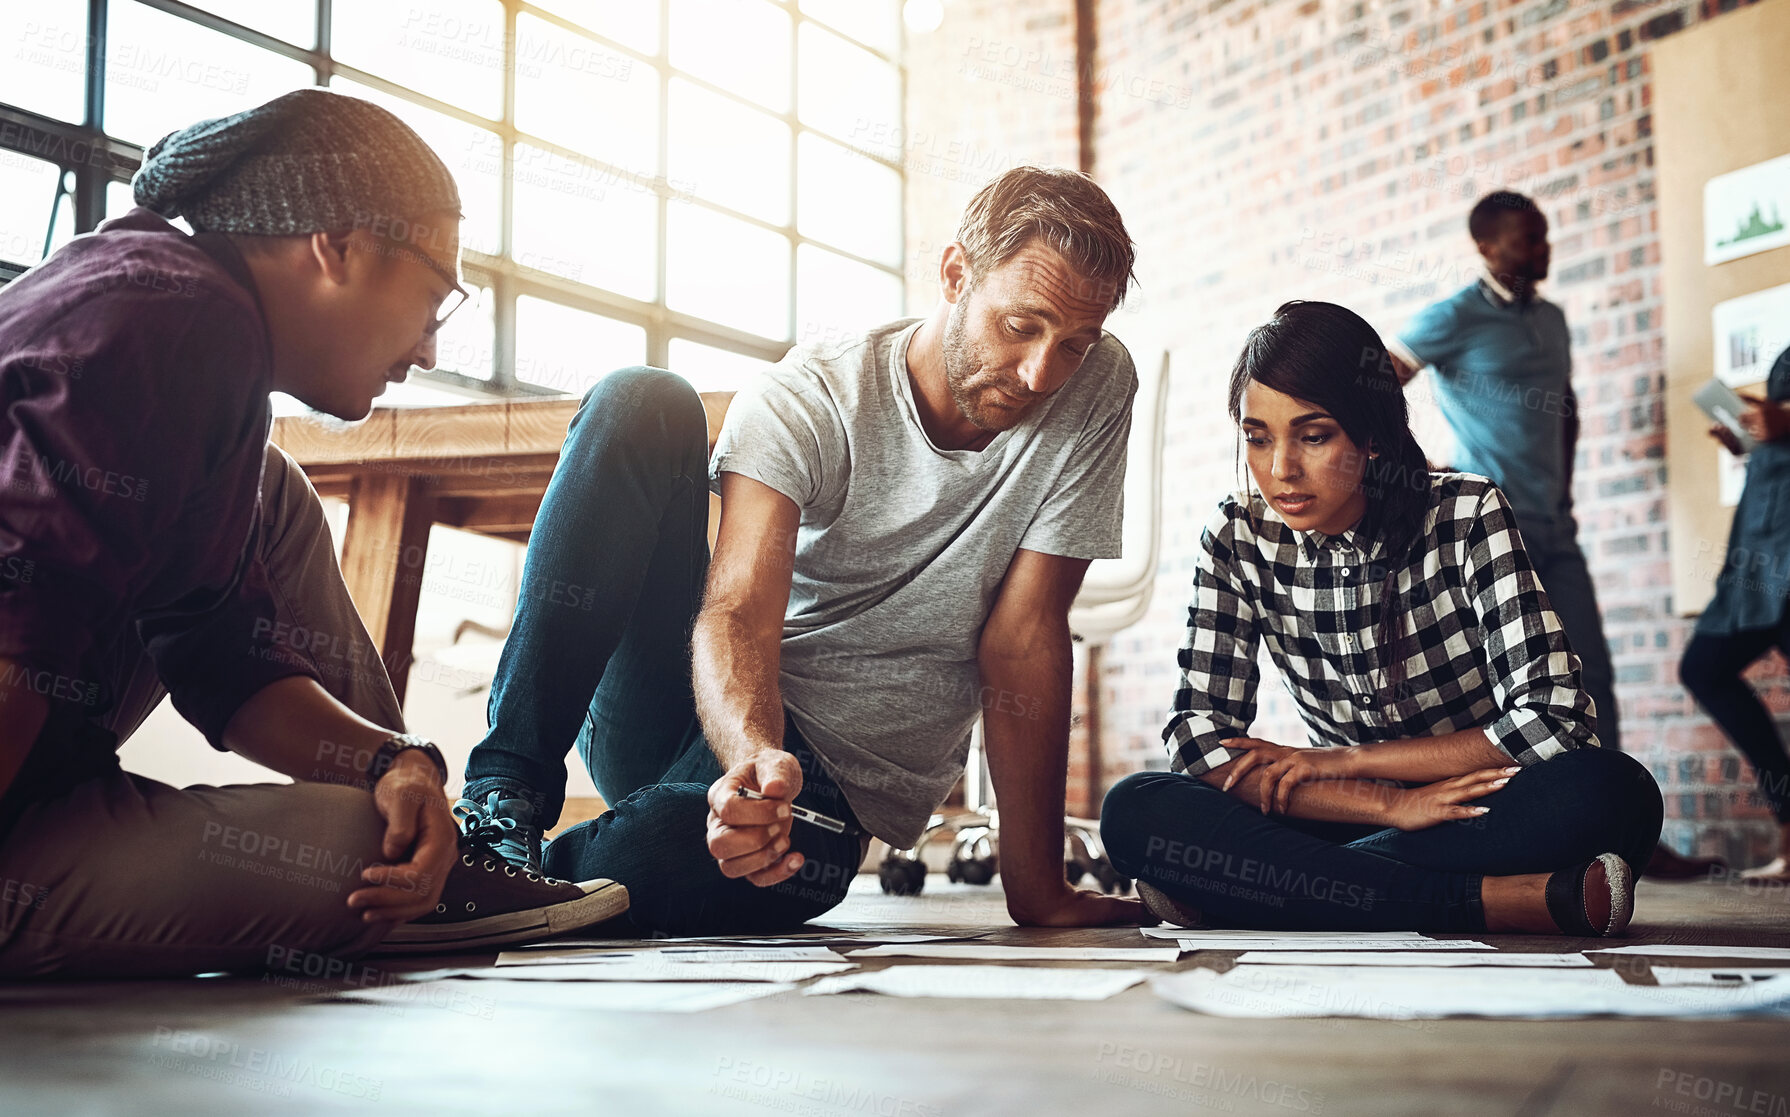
1746	211
1749	332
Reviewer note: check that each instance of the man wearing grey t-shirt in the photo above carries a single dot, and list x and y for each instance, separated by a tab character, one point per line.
906	517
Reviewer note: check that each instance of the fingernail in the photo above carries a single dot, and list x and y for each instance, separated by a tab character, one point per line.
1512	771
1482	810
782	810
1501	783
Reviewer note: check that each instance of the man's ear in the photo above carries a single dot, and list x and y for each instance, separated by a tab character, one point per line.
954	272
330	253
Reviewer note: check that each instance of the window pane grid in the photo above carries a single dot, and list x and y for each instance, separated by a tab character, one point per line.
568	176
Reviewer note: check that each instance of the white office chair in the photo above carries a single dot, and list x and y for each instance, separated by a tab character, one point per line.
1114	595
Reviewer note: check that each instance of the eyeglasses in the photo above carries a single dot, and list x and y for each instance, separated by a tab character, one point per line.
455	299
457	295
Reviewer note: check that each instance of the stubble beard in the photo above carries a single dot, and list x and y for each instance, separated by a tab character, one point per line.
962	362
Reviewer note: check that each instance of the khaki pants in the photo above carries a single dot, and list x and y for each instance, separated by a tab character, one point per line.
128	877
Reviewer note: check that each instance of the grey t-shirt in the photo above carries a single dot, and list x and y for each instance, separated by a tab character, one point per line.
902	548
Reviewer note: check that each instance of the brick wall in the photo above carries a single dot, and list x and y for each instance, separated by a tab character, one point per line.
1330	149
993	87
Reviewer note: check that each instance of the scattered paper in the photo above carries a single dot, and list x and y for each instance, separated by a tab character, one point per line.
1391	993
1731	975
1225	942
489	999
649	968
681	954
855	934
1699	950
1411	958
1167	932
993	951
983	982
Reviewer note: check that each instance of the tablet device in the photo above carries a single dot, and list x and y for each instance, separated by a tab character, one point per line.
1724	405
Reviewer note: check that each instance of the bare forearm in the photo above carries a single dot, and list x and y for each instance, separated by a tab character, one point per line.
1343	800
1025	713
296	728
1425	759
734	671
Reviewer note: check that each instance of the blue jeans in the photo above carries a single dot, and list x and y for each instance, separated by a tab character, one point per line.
1560	567
599	657
1241	868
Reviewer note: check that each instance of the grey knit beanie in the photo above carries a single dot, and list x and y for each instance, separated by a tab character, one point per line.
310	161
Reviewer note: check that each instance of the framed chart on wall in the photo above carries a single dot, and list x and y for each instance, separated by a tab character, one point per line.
1724	206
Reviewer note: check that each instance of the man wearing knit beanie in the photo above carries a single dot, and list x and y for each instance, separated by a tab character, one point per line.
152	542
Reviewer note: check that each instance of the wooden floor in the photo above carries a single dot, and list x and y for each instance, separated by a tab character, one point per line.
109	1048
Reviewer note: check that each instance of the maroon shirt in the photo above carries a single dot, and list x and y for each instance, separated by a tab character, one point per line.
134	375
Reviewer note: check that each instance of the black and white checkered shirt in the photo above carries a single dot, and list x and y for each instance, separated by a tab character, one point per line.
1482	646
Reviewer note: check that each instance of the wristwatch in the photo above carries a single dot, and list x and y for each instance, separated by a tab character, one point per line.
400	742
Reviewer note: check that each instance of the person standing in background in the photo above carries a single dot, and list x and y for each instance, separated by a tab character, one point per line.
1747	616
1503	377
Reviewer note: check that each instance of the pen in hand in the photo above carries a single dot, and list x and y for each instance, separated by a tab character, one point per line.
825	822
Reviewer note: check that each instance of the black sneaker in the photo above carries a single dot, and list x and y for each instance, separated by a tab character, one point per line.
503	818
490	902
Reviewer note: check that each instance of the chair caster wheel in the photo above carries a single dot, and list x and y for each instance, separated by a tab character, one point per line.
970	870
901	877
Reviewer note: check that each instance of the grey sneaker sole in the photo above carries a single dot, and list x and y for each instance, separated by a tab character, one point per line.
1622	893
606	901
1167	910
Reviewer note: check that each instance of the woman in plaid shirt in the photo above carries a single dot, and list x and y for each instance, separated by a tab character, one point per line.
1456	783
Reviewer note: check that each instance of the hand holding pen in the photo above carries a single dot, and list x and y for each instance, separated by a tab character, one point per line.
749	837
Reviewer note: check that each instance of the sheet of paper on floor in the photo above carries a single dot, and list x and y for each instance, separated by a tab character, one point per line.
1225	942
1408	940
867	938
1412	958
1727	975
581	956
996	951
649	968
864	935
983	982
491	1000
1252	933
1699	950
1390	993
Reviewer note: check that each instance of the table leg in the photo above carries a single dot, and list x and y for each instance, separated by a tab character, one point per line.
384	554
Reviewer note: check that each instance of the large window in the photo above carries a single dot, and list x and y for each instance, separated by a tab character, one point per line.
698	183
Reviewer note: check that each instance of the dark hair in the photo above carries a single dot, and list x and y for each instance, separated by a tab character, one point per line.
1329	356
1482	222
1065	209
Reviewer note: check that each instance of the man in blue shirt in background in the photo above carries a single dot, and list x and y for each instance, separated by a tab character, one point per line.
1503	362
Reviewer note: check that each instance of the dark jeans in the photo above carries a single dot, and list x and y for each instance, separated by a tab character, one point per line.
1711	671
1241	868
599	656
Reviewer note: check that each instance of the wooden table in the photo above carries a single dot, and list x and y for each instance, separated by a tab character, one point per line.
483	467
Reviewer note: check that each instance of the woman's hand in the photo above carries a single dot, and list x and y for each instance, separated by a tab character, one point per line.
1284	768
1764	419
1450	800
1723	435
